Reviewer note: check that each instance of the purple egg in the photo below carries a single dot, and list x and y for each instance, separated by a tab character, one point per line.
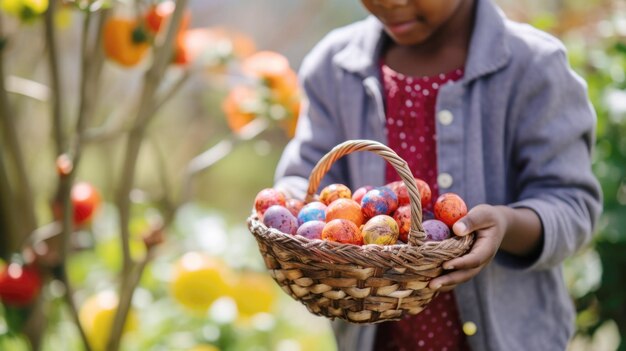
311	229
436	230
313	211
280	218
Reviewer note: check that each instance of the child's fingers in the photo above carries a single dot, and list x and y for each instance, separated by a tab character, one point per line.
481	253
477	218
453	278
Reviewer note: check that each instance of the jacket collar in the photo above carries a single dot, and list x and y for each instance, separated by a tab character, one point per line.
488	48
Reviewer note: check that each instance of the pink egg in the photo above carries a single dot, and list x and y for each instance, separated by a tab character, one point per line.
266	198
358	193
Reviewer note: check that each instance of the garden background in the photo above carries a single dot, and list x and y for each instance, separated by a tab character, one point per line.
176	131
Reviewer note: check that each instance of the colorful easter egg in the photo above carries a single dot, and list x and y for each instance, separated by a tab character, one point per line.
266	198
280	218
333	192
380	200
402	216
449	208
345	209
311	229
313	211
380	230
425	192
436	230
342	231
401	191
294	206
357	195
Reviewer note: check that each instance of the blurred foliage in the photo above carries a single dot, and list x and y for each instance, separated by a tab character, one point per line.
595	35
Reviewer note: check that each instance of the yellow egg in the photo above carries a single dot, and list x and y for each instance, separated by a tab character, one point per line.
380	230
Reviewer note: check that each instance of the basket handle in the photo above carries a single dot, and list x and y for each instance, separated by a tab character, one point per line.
416	233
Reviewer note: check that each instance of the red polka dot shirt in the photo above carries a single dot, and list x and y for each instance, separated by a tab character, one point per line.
410	109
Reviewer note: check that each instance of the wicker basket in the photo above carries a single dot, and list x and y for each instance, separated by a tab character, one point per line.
360	284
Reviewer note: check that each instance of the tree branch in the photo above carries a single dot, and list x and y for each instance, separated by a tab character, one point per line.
152	78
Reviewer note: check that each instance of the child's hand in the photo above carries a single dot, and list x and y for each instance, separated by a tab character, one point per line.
490	224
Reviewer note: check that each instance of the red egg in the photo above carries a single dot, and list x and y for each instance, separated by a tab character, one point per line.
342	231
357	195
333	192
266	198
403	218
345	209
425	192
399	188
449	208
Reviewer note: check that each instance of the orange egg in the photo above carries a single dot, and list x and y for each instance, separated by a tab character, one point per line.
345	209
342	231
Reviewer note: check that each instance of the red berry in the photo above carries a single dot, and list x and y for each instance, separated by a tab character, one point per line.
19	285
86	200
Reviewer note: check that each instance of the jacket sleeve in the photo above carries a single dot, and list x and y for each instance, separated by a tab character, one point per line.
554	137
318	129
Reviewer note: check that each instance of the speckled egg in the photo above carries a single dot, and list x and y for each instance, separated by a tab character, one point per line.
333	192
380	230
280	218
449	208
402	216
266	198
313	211
436	230
311	229
401	191
357	195
345	209
380	200
425	192
342	231
294	206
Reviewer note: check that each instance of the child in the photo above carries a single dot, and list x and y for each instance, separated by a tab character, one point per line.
480	106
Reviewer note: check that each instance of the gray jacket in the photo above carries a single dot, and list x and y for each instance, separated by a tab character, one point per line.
517	129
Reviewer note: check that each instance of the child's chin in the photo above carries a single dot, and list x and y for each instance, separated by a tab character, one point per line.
410	39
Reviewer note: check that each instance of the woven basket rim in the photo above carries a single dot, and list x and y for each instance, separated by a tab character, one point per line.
303	244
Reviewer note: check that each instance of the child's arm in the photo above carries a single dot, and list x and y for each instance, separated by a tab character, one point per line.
515	230
558	199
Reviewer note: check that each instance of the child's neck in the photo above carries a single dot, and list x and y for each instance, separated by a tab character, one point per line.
443	52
